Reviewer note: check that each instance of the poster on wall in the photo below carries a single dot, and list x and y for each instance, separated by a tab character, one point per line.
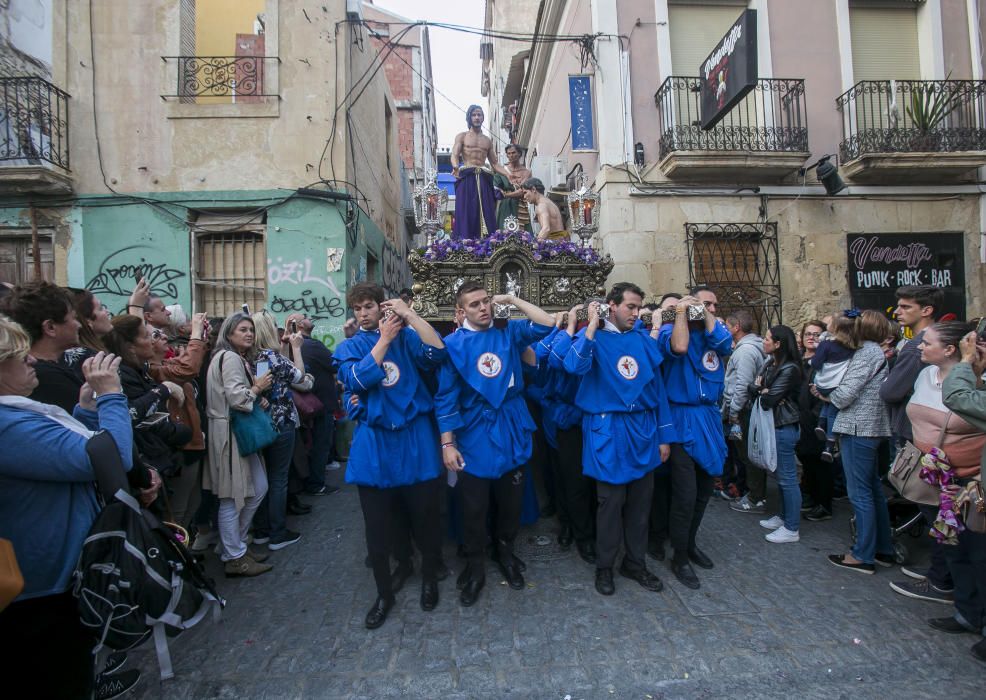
879	263
730	71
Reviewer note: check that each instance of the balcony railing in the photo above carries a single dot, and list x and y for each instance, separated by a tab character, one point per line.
239	78
33	123
771	118
912	116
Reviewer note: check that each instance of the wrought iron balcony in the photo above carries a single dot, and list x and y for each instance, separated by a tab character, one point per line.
884	122
771	119
236	78
33	123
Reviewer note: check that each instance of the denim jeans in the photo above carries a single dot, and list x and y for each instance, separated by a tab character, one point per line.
859	460
826	419
787	476
271	516
323	438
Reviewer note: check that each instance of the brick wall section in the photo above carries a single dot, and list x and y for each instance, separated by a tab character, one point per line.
401	79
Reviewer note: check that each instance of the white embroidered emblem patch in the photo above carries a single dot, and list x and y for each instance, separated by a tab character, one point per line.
627	367
710	361
489	364
392	373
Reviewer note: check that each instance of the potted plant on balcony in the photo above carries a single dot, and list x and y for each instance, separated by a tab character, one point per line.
931	103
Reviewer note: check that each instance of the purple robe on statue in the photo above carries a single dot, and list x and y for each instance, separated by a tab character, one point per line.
475	204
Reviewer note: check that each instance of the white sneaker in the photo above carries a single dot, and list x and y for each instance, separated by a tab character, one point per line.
332	466
772	523
782	534
203	540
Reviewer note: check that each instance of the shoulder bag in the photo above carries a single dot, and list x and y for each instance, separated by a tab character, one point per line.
254	430
973	506
905	473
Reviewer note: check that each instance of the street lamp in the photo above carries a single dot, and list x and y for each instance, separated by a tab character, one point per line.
430	203
583	207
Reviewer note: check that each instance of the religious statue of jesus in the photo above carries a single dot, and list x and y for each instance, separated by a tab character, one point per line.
475	201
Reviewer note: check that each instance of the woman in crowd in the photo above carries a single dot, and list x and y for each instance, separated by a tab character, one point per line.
157	436
47	506
863	423
818	475
964	395
777	389
270	523
94	323
238	481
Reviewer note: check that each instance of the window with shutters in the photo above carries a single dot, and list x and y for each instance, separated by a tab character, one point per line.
884	42
17	255
230	262
696	29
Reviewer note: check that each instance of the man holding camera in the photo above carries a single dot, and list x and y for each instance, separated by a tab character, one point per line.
486	426
394	458
694	349
623	399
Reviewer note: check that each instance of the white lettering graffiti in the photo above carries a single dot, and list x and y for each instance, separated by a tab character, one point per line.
725	49
297	272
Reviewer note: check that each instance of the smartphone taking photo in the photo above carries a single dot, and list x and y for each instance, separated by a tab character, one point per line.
263	367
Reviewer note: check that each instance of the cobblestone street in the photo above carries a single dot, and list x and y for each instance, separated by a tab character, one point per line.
770	621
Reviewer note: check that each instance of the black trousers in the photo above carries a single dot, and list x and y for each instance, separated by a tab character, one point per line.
423	503
967	563
819	479
939	571
622	514
474	493
689	489
576	491
44	647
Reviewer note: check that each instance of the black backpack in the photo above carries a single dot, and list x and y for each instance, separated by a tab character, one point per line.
135	579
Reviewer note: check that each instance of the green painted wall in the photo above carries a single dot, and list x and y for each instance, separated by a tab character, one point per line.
311	258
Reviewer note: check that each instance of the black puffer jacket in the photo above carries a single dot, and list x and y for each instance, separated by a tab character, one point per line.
159	443
783	385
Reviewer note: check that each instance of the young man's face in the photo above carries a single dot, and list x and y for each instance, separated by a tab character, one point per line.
367	313
513	156
909	312
530	195
477	307
625	314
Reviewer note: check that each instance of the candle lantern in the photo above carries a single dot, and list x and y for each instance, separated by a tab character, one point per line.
430	203
583	208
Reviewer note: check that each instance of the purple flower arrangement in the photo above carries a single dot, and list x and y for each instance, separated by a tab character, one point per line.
484	247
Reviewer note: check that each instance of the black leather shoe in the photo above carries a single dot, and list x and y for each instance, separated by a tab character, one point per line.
429	595
378	613
686	574
699	558
511	572
443	572
400	576
950	625
979	650
587	550
643	577
463	579
565	537
656	550
604	582
298	508
470	593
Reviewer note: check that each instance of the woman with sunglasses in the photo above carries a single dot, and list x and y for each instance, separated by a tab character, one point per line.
819	480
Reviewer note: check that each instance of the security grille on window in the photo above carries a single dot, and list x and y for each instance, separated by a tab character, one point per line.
739	262
230	262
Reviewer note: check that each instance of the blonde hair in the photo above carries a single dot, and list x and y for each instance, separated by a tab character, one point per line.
266	330
15	343
842	330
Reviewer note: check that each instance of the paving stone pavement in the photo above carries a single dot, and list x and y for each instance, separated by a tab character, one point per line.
770	621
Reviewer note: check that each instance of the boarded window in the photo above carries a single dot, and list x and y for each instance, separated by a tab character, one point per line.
17	255
230	263
884	43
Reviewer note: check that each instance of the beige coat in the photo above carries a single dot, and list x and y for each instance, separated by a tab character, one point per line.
228	475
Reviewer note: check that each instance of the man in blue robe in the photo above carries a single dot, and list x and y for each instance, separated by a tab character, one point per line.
626	429
394	458
475	198
486	427
694	373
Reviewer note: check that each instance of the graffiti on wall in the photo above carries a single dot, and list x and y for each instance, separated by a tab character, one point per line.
296	286
395	270
119	271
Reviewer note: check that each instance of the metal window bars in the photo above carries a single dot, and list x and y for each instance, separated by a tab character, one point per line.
222	76
912	116
772	117
33	122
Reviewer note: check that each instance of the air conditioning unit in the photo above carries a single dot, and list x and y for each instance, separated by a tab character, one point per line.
551	171
354	10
